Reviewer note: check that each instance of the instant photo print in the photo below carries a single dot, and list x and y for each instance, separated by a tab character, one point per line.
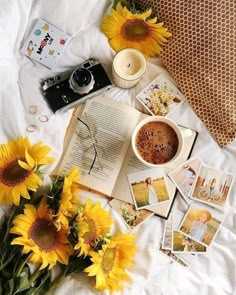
149	187
201	223
160	97
185	245
184	177
212	187
129	214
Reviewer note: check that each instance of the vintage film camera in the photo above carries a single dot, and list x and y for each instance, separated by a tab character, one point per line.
68	89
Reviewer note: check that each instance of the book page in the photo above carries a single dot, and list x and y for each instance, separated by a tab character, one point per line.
131	164
111	125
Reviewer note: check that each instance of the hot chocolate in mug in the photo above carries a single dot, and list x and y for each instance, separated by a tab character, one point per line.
157	141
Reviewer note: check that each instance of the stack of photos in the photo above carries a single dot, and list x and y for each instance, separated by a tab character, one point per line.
181	243
180	238
185	234
149	187
166	247
160	97
130	216
194	232
198	182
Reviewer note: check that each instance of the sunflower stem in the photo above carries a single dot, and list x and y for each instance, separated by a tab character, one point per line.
59	279
40	289
21	266
10	218
34	276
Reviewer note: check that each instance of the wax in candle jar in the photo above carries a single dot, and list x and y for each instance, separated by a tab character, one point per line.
128	67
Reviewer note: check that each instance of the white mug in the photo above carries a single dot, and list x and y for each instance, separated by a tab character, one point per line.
173	125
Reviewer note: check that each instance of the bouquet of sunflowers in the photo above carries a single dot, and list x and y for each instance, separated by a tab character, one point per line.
41	232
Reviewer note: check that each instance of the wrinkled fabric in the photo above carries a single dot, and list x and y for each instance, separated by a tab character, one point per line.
152	273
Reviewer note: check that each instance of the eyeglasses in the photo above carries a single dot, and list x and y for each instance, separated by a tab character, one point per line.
87	133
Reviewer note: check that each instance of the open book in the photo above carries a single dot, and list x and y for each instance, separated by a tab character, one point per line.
111	125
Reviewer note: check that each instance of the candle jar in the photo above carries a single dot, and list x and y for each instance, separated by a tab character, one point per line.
128	67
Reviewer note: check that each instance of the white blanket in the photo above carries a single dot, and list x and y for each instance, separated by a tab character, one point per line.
152	274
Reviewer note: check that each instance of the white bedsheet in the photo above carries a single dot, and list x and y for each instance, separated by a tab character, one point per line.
152	274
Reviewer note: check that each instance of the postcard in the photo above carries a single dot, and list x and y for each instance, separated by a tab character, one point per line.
183	244
173	257
160	97
149	188
184	177
167	234
46	43
201	223
129	214
212	187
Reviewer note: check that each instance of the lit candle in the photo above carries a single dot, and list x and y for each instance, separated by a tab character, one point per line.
128	67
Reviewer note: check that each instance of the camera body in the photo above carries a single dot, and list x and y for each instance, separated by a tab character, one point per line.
68	89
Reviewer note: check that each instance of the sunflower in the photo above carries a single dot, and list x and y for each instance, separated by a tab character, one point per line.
39	236
134	30
19	163
68	199
93	224
108	264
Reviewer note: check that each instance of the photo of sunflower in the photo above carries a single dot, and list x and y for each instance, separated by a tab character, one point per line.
39	236
93	224
19	169
125	29
68	199
109	263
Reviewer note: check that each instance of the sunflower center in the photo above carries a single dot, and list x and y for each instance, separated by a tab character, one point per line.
108	259
135	30
44	234
90	235
14	174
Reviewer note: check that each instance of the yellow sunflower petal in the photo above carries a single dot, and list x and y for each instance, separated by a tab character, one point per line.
39	237
94	223
29	159
109	264
24	165
18	161
125	29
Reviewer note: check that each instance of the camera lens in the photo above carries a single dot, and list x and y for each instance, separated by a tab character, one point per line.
82	77
81	81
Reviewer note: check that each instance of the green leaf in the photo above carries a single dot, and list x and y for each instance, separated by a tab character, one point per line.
9	287
22	283
42	284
